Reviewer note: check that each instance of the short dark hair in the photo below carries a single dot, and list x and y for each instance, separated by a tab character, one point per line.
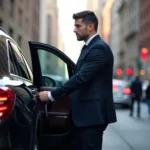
87	17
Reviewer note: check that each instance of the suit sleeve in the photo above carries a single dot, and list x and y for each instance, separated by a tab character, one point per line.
93	63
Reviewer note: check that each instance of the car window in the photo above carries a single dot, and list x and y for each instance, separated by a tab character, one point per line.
53	66
17	64
3	58
13	66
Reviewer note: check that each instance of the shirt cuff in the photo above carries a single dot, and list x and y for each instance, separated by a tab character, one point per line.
50	97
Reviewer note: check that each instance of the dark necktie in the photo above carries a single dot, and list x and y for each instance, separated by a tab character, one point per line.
83	50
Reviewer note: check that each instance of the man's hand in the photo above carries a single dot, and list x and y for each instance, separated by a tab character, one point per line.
43	96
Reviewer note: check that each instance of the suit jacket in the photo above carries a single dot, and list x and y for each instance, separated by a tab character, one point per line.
136	88
91	86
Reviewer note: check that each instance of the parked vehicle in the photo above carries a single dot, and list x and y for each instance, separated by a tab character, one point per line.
121	92
17	86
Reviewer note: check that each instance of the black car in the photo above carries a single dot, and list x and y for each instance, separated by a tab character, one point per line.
24	123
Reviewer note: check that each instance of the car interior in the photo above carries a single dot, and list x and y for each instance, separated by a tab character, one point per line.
55	128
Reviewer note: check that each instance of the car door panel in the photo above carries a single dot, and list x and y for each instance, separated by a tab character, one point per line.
55	127
58	114
57	120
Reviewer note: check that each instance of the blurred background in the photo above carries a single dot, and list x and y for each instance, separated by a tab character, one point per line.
123	24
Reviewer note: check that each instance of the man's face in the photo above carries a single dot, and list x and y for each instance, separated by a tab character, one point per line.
81	30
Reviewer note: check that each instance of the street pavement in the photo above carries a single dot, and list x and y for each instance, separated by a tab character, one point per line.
129	133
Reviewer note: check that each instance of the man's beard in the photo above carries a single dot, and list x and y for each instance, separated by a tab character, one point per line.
82	38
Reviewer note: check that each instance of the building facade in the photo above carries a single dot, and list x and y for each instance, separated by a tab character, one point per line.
21	20
129	35
145	33
132	34
50	34
52	22
106	20
115	33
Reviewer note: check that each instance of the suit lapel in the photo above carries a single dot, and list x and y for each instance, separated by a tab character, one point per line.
90	44
87	50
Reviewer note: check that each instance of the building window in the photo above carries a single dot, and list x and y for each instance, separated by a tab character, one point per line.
20	17
11	32
1	3
1	22
19	40
12	8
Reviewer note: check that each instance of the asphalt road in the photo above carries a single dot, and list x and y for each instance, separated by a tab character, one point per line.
129	133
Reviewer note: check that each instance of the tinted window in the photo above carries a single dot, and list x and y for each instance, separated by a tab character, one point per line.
3	58
53	67
13	65
17	64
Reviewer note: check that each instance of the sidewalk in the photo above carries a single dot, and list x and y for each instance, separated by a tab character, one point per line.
128	133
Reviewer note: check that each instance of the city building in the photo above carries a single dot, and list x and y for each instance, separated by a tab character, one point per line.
131	34
106	20
145	33
50	34
122	31
20	18
115	33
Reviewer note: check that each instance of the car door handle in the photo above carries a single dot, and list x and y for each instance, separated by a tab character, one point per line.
34	91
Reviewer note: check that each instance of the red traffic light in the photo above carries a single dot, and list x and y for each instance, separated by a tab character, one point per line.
129	71
119	71
144	53
144	50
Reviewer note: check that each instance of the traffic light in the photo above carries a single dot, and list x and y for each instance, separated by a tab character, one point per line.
129	71
119	71
142	72
144	53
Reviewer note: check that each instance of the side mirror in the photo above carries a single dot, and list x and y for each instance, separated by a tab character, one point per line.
48	82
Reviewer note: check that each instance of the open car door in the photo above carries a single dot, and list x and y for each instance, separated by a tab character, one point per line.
51	68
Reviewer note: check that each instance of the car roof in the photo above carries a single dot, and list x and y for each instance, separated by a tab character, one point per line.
4	33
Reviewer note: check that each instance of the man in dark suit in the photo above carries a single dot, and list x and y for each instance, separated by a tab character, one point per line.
90	86
136	95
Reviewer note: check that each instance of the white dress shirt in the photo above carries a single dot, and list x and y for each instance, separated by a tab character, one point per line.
86	43
50	96
90	39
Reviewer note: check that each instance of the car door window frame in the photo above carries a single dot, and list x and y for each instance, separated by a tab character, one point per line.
18	68
34	47
12	61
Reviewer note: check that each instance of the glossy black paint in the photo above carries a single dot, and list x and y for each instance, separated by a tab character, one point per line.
16	129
